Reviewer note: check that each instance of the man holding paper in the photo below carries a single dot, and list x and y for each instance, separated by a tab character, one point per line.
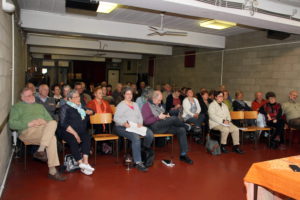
220	120
129	124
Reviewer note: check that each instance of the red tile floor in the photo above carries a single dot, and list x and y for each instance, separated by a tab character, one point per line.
210	178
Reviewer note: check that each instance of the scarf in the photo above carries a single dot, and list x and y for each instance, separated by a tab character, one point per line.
156	109
78	108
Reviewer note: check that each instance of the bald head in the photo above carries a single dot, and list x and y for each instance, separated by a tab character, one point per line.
258	96
157	97
44	90
293	95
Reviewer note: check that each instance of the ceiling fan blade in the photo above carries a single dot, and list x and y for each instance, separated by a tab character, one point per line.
175	33
151	34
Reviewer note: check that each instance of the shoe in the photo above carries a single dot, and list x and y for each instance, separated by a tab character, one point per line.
223	149
141	167
40	155
86	172
86	167
186	159
57	177
236	149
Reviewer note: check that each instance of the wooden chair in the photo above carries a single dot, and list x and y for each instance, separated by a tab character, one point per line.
155	135
253	115
113	109
159	135
103	118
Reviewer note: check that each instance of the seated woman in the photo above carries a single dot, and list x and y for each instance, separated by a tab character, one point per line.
227	101
220	120
273	114
191	111
204	103
239	104
99	105
173	103
128	111
146	93
72	128
105	96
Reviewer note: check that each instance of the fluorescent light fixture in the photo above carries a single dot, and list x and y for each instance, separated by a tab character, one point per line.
106	7
217	24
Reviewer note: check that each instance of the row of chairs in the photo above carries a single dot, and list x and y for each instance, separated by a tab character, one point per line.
242	117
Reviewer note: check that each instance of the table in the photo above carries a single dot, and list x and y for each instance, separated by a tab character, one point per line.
275	177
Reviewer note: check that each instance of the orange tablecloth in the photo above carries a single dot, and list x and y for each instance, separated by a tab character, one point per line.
277	176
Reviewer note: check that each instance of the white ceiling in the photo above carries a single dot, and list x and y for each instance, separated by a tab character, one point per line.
134	16
129	22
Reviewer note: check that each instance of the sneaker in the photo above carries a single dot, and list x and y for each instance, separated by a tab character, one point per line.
87	167
86	172
186	159
141	167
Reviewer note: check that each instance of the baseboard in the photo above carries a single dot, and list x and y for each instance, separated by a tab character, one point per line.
6	172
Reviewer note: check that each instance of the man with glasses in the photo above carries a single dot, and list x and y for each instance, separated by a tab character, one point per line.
291	109
220	120
36	126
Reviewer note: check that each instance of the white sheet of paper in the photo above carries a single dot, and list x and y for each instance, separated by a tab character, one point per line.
134	128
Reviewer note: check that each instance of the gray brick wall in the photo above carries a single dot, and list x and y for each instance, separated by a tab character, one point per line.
5	81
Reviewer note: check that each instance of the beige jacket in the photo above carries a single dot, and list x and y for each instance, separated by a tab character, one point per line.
217	114
291	110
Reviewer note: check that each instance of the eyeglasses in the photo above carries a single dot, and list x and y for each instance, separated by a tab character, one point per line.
220	96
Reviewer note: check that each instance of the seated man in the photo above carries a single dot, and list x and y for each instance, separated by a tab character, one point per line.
48	102
291	109
258	102
158	122
239	104
36	126
220	120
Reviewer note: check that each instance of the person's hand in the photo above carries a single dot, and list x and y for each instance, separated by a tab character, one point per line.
41	122
162	116
139	125
177	106
269	117
226	122
196	115
33	123
126	124
274	121
89	112
78	139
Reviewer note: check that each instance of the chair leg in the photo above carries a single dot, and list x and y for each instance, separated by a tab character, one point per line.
25	156
125	145
117	149
63	145
154	144
95	152
172	146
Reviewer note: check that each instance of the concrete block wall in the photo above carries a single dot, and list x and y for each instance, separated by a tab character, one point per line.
5	82
205	74
269	65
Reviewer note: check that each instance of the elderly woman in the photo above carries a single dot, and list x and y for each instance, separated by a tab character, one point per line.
73	129
273	115
128	111
220	120
146	93
174	103
192	109
98	104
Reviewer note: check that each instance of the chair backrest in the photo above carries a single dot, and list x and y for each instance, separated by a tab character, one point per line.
101	118
237	115
113	109
250	114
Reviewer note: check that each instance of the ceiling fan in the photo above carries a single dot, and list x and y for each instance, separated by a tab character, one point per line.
161	31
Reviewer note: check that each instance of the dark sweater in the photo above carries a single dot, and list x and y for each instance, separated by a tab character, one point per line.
239	107
69	116
148	116
169	102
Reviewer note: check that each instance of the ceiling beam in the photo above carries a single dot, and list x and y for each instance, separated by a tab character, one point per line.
94	44
71	24
65	57
87	53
